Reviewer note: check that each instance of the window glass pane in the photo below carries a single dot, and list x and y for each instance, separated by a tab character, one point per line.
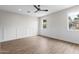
73	21
44	24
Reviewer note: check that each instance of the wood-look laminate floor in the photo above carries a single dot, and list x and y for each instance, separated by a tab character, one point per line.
38	45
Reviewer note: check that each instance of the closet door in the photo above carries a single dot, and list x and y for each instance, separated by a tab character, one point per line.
9	33
21	32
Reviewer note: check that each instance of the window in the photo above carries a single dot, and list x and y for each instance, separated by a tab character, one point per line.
44	24
73	21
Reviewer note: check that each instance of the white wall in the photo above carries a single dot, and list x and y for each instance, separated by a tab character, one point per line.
0	32
17	26
1	29
57	26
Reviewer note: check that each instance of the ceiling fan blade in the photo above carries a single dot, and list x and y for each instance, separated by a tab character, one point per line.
43	10
36	11
36	7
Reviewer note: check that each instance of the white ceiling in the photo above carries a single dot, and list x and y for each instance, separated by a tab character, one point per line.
24	9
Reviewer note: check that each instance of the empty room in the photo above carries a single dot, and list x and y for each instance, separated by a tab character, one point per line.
39	29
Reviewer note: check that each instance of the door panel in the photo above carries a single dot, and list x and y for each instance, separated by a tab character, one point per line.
9	33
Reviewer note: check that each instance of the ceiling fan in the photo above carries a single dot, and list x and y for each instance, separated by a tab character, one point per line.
39	9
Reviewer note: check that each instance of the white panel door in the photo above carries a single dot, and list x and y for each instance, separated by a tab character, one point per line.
9	33
21	32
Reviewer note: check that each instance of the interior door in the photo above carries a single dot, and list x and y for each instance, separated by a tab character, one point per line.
9	33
